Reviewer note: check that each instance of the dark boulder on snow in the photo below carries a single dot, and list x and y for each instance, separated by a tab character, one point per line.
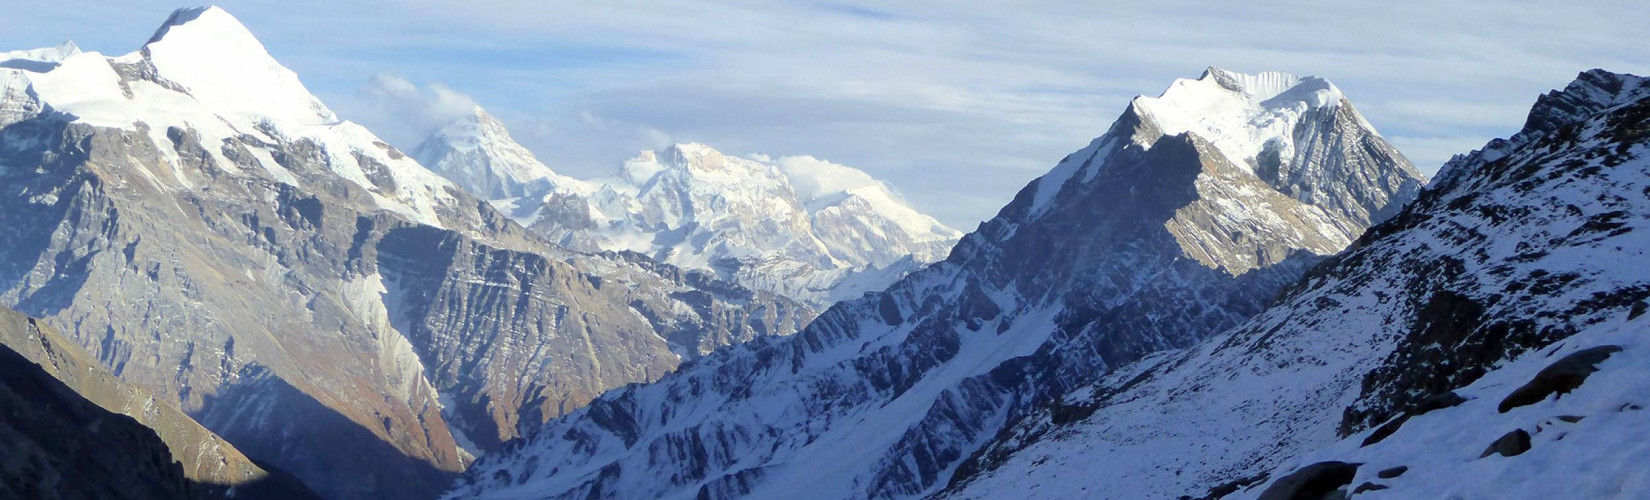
1513	444
1393	472
1313	482
1434	402
1561	377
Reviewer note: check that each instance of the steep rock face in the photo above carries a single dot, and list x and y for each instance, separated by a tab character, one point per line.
210	464
516	338
797	226
1140	242
220	248
1403	350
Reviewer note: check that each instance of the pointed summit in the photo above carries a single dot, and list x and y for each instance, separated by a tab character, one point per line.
1282	128
1263	85
477	153
200	16
218	61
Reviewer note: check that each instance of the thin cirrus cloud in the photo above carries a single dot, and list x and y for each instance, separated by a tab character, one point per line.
957	105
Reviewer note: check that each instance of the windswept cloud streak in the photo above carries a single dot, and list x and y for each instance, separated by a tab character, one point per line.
957	105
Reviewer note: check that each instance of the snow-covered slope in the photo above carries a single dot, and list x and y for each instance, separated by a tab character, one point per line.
1141	241
798	226
1427	345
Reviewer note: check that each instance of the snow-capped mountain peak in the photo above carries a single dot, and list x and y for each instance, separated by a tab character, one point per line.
702	163
1592	92
219	62
693	155
477	153
209	99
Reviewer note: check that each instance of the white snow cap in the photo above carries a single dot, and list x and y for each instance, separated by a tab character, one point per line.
474	131
1237	112
214	56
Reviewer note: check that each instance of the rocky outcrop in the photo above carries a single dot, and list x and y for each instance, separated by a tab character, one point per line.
1314	482
1512	444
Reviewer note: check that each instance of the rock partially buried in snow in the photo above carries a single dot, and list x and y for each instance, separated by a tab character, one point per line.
1316	481
1512	444
1393	472
1435	402
1560	378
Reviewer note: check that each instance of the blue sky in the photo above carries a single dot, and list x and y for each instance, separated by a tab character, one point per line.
957	105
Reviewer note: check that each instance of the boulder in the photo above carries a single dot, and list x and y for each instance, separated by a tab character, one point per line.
1561	377
1313	482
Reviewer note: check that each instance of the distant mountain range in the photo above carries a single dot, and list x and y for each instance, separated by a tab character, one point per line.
801	227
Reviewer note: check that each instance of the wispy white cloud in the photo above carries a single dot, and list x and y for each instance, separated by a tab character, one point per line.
403	113
956	104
